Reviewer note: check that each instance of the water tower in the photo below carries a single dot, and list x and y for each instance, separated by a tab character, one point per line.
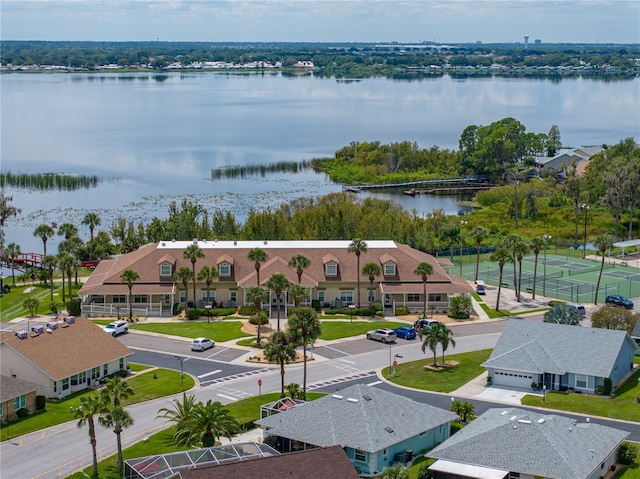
526	41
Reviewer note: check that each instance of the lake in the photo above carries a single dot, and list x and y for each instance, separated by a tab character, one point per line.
155	138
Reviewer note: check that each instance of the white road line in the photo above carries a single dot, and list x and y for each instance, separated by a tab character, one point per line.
227	397
345	361
221	351
374	383
337	350
209	374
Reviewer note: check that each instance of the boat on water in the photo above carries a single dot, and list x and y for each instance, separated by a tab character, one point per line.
411	192
351	189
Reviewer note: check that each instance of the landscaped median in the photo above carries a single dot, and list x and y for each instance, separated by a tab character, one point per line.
146	385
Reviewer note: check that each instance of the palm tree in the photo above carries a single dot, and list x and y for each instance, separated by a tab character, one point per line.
520	248
445	336
371	270
13	251
478	233
424	270
451	234
304	326
118	419
509	243
91	406
280	349
192	253
211	421
501	255
67	263
68	230
44	232
464	409
115	390
257	296
297	293
6	211
299	262
208	274
562	313
73	246
536	244
358	247
183	276
91	220
129	276
603	242
430	339
278	283
49	263
258	256
181	414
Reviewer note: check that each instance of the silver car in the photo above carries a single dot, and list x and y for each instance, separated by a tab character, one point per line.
384	335
200	344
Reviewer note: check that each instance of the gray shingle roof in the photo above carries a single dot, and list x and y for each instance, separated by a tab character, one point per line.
534	347
636	330
11	388
543	445
361	425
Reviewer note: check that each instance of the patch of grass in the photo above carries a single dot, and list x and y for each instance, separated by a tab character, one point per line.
622	406
415	467
629	472
251	342
492	313
413	374
11	304
342	329
138	367
58	412
219	331
529	311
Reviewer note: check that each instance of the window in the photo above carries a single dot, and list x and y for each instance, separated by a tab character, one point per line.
372	295
19	402
121	364
233	296
1	410
346	296
514	475
581	381
105	369
389	269
212	296
55	386
423	434
413	297
165	269
65	384
140	298
80	378
95	373
183	296
224	269
331	269
119	298
435	297
321	296
360	455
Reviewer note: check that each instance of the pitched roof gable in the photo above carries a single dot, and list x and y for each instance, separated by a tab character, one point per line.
11	388
355	421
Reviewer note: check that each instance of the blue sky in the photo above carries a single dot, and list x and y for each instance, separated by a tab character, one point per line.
615	21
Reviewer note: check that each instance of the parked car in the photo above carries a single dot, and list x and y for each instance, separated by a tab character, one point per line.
117	327
618	300
480	287
579	308
405	332
200	344
424	323
384	335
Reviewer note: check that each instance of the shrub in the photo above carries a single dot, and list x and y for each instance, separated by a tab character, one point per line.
377	306
627	453
638	398
22	412
380	313
351	312
247	310
402	310
193	313
315	304
458	315
74	307
607	386
424	472
177	308
599	389
40	403
264	319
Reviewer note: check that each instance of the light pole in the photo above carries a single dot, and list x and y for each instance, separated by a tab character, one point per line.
546	239
181	359
544	393
585	207
351	308
462	223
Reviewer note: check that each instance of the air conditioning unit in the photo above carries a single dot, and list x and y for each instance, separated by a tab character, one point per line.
38	329
70	319
22	334
52	325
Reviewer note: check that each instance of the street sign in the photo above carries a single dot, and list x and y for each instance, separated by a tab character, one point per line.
395	363
259	382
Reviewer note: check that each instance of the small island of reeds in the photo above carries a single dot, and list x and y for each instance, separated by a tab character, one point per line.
48	181
259	170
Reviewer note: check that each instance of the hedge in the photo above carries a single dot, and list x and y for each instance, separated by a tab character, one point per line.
351	312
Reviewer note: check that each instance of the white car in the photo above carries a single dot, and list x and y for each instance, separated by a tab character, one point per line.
117	327
200	344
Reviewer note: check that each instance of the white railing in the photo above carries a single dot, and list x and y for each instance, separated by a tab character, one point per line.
122	310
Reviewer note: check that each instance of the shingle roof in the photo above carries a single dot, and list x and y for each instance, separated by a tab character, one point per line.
11	388
636	330
319	463
534	347
531	443
355	421
69	350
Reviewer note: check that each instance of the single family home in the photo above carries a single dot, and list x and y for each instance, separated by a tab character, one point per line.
16	394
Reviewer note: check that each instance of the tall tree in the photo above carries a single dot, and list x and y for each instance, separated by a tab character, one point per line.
129	276
371	270
304	327
510	243
258	256
574	189
430	339
44	232
181	415
208	274
257	296
67	263
91	220
116	390
211	421
297	293
553	141
614	317
118	419
74	247
192	253
478	233
603	242
445	337
536	244
68	230
49	263
451	234
502	256
6	211
424	270
183	276
91	406
521	248
278	283
358	247
13	251
562	313
299	262
280	349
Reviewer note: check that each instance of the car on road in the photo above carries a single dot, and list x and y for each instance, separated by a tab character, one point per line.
405	332
200	344
384	335
618	300
424	323
117	327
480	287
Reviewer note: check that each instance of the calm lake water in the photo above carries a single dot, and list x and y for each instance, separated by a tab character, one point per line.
155	138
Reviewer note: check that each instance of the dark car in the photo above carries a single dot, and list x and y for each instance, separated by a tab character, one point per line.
405	332
618	300
424	323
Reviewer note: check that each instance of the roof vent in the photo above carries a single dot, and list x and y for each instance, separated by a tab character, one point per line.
388	429
524	421
337	396
503	413
352	400
173	240
541	420
265	242
49	330
588	420
513	418
367	397
235	243
164	244
195	241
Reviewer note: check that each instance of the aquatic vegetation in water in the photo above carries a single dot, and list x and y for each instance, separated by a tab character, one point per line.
261	170
48	181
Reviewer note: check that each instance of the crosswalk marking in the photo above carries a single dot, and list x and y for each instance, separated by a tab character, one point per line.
233	377
345	379
209	374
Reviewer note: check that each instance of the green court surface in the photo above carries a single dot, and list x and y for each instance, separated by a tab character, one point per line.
562	277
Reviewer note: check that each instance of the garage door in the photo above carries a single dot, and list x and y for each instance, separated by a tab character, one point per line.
513	379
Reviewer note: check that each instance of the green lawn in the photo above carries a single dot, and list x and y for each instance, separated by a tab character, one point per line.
58	412
11	304
344	329
622	406
216	330
413	374
631	472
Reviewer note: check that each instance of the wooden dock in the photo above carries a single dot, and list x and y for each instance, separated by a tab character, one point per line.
447	191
